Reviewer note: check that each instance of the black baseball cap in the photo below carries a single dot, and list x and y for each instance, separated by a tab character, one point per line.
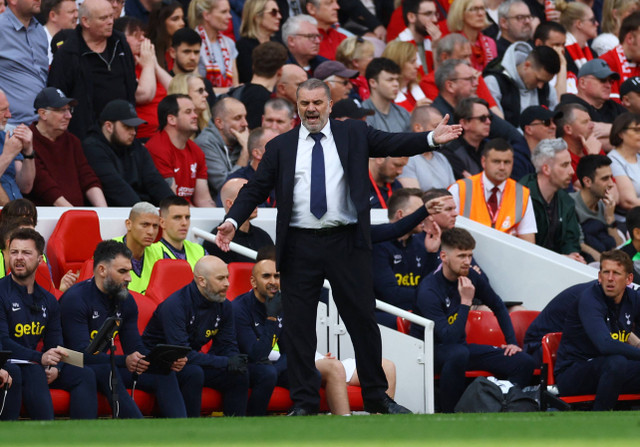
121	110
630	85
532	113
348	108
52	97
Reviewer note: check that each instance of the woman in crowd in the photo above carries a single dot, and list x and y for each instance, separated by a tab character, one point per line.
356	53
470	18
582	26
613	13
260	21
192	85
218	52
164	20
625	166
410	94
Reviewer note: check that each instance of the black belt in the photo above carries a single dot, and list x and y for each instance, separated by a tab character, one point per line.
323	231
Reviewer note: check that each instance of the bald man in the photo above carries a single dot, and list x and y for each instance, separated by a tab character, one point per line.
96	79
247	235
292	76
193	316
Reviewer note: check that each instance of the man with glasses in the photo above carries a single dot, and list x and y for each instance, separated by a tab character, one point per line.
516	24
63	174
595	79
336	76
421	17
383	75
522	80
302	39
537	124
464	153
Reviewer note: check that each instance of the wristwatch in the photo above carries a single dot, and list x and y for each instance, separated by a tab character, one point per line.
31	156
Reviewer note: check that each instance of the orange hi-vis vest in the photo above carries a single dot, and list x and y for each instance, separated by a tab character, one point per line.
473	204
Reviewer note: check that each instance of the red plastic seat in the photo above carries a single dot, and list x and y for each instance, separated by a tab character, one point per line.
483	328
86	272
73	241
168	276
146	307
239	279
521	320
43	278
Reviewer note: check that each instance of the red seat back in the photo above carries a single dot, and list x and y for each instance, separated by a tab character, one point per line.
73	241
482	328
550	343
239	279
168	276
43	278
146	307
86	272
521	319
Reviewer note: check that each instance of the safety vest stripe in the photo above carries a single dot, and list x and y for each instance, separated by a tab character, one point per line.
519	203
468	193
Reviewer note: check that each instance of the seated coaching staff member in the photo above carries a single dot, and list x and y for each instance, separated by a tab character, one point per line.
318	238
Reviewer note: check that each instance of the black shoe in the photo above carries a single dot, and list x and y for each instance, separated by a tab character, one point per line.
297	411
386	405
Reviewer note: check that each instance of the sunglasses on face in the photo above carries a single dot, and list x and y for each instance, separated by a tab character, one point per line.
275	12
481	118
545	123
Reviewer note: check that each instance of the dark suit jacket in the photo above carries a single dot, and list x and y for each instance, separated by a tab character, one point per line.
355	141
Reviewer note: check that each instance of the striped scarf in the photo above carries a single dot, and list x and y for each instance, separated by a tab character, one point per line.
579	55
214	74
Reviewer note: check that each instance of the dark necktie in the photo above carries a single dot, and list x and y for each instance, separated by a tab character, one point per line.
493	202
318	188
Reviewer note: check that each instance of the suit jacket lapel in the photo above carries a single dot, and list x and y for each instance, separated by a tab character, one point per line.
341	137
288	154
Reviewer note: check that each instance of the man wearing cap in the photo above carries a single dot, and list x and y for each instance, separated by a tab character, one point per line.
95	65
537	123
17	168
268	59
346	109
492	198
336	76
63	175
122	163
630	94
383	77
595	79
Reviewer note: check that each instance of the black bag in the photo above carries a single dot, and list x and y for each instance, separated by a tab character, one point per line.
484	396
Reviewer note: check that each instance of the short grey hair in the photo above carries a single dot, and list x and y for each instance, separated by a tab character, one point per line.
292	25
143	208
280	104
546	150
313	84
447	45
505	7
447	71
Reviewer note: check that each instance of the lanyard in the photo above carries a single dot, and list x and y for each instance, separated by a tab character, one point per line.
383	203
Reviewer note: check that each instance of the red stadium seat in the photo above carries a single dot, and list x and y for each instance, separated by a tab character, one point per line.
43	278
239	279
521	319
403	325
86	271
168	276
146	307
73	241
483	328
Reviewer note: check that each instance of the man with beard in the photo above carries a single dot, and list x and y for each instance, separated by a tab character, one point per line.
320	238
445	297
516	24
421	17
121	162
193	316
85	307
224	141
556	220
29	315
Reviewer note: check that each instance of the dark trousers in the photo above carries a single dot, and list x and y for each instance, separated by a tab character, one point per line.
31	389
309	258
166	389
606	377
127	408
452	361
263	378
234	389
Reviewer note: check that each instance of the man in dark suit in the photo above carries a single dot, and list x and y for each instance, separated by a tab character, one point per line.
319	238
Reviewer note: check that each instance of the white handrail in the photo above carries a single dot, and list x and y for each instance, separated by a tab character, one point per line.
381	305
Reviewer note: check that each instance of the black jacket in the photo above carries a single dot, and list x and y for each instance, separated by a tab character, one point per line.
72	72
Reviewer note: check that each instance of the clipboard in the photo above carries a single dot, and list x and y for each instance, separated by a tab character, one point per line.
162	357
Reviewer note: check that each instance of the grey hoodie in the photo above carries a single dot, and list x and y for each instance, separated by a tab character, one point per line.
221	161
514	56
